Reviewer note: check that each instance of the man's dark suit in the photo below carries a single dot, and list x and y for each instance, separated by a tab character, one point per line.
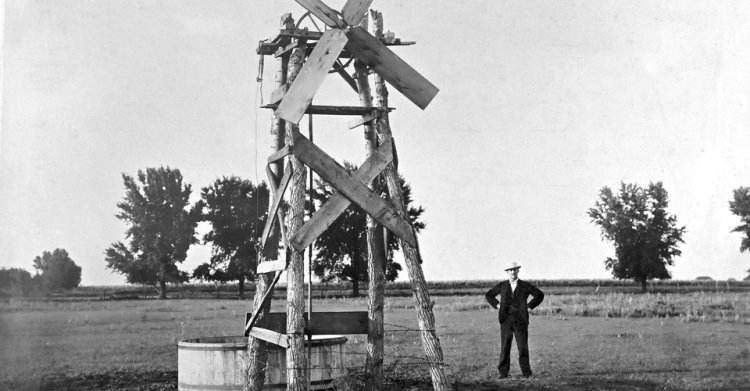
513	315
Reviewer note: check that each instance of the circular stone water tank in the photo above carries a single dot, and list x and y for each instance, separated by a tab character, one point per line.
218	363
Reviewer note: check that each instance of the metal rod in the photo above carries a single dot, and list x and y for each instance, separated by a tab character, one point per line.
309	267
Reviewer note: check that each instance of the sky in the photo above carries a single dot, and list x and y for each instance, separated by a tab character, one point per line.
541	104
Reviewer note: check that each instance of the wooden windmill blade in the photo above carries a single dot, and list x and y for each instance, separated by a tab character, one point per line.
391	67
322	11
354	11
311	76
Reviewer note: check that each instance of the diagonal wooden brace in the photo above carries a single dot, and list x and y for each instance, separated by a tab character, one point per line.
278	191
256	311
332	172
337	204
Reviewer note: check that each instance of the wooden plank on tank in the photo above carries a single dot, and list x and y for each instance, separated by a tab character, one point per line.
323	323
270	336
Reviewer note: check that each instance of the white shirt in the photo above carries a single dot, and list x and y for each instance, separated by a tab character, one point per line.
513	286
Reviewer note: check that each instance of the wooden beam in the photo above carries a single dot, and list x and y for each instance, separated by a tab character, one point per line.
373	115
323	323
256	311
332	110
278	195
311	76
278	94
272	266
354	11
337	176
391	67
298	34
282	50
337	204
282	153
322	11
345	75
270	336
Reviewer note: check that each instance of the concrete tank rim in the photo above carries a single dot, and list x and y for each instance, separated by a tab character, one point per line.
240	341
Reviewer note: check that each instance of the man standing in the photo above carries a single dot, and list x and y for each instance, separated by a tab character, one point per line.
513	314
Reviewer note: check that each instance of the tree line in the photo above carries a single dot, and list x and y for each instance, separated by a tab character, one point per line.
161	226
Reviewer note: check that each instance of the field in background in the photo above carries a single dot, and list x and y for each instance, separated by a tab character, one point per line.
592	339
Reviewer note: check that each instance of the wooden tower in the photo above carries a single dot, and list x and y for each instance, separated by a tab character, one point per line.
305	58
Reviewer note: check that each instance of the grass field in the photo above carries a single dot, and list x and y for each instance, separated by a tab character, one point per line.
619	341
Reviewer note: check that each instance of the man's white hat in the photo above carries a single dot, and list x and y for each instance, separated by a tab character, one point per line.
513	265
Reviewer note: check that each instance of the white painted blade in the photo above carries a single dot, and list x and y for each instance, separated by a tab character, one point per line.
391	67
311	76
354	11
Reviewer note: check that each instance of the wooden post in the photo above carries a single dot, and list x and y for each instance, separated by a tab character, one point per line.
257	356
375	250
296	359
422	301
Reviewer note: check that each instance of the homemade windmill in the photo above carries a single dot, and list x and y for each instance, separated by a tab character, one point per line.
343	38
344	33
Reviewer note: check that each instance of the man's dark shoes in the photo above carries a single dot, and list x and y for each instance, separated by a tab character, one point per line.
527	374
502	376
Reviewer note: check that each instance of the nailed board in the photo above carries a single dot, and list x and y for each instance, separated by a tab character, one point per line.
337	204
391	67
338	322
311	76
333	173
271	336
333	110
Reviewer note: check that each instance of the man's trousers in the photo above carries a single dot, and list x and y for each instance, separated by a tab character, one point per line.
520	329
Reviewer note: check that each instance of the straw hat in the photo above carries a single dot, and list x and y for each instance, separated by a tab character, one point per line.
513	265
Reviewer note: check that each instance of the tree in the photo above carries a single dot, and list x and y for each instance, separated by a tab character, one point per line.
15	281
161	227
57	271
740	206
236	210
645	235
342	248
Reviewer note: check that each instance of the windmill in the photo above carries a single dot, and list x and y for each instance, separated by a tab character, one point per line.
344	33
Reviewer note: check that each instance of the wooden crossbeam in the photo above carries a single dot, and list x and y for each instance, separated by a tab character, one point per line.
338	322
278	94
278	195
272	266
270	336
336	175
332	110
354	11
373	115
346	76
282	153
322	11
256	311
337	204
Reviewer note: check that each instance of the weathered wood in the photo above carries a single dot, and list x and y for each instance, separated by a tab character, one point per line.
354	11
270	48
315	69
323	323
296	359
278	195
332	110
425	316
391	67
366	119
345	75
278	94
282	50
272	266
257	355
354	190
261	303
322	11
337	204
282	153
270	336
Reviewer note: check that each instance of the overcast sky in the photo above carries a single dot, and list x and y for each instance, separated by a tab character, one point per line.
541	104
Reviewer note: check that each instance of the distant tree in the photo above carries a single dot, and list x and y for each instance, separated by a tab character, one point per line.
342	248
57	271
740	206
236	210
644	234
161	227
15	281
